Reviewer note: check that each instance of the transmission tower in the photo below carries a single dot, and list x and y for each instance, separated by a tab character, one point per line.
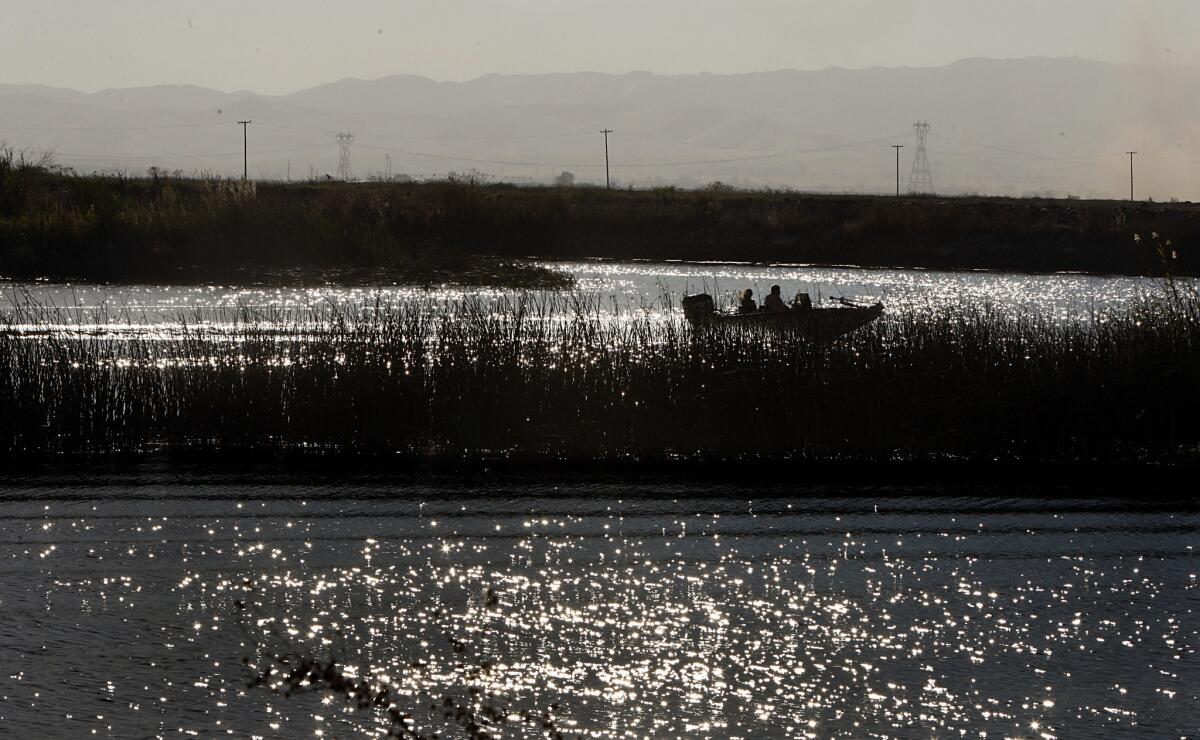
921	179
344	139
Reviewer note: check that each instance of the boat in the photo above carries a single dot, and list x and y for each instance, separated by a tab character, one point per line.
816	323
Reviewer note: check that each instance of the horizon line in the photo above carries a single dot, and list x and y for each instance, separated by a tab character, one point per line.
779	70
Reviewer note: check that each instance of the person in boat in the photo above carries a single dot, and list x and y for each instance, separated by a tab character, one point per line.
747	304
774	301
801	302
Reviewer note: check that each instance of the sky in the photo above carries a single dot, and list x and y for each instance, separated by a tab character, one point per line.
279	46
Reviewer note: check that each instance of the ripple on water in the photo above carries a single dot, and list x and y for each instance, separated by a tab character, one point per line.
636	612
623	289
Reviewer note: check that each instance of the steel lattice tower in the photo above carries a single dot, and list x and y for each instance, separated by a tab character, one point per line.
921	179
345	139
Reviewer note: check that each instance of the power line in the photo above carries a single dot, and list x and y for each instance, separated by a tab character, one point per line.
480	160
1055	165
120	128
524	137
920	178
777	154
82	155
1035	155
631	165
1165	158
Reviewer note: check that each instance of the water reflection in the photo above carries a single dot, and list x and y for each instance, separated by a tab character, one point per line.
659	611
1060	296
621	289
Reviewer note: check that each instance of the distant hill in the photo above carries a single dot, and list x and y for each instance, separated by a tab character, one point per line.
1010	127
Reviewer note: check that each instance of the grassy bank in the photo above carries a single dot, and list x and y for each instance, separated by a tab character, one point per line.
555	379
460	230
163	229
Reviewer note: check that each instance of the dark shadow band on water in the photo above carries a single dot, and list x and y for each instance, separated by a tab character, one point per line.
1147	483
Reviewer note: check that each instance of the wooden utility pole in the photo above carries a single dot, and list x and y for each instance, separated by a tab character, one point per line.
1131	174
245	159
607	179
897	147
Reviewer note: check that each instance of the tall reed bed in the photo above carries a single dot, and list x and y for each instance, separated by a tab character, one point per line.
564	377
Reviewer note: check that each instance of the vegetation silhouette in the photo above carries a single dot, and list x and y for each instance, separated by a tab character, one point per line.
284	669
57	225
559	377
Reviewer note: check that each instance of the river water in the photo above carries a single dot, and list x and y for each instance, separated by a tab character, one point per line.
642	609
620	289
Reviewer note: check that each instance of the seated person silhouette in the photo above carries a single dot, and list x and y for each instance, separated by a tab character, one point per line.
774	301
747	303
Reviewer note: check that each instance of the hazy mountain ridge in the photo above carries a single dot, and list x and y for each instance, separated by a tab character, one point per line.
999	126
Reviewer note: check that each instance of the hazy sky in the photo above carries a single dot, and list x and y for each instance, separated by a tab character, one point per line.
276	46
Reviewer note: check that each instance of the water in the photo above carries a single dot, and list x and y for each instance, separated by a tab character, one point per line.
644	609
1060	296
622	288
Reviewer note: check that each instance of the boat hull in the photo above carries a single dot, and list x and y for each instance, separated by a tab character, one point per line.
815	323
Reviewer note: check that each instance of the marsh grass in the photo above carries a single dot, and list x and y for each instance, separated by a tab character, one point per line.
562	377
57	225
61	226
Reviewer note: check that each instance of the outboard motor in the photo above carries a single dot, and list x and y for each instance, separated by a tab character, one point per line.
698	308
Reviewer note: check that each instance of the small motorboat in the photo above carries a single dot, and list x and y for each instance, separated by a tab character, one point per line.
803	318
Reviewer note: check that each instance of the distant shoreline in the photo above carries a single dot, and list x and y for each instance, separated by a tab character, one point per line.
1164	481
60	227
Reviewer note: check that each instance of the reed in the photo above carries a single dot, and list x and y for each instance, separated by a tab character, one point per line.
561	376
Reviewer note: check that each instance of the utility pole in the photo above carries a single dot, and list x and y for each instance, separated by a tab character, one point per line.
897	147
1131	174
607	179
245	160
